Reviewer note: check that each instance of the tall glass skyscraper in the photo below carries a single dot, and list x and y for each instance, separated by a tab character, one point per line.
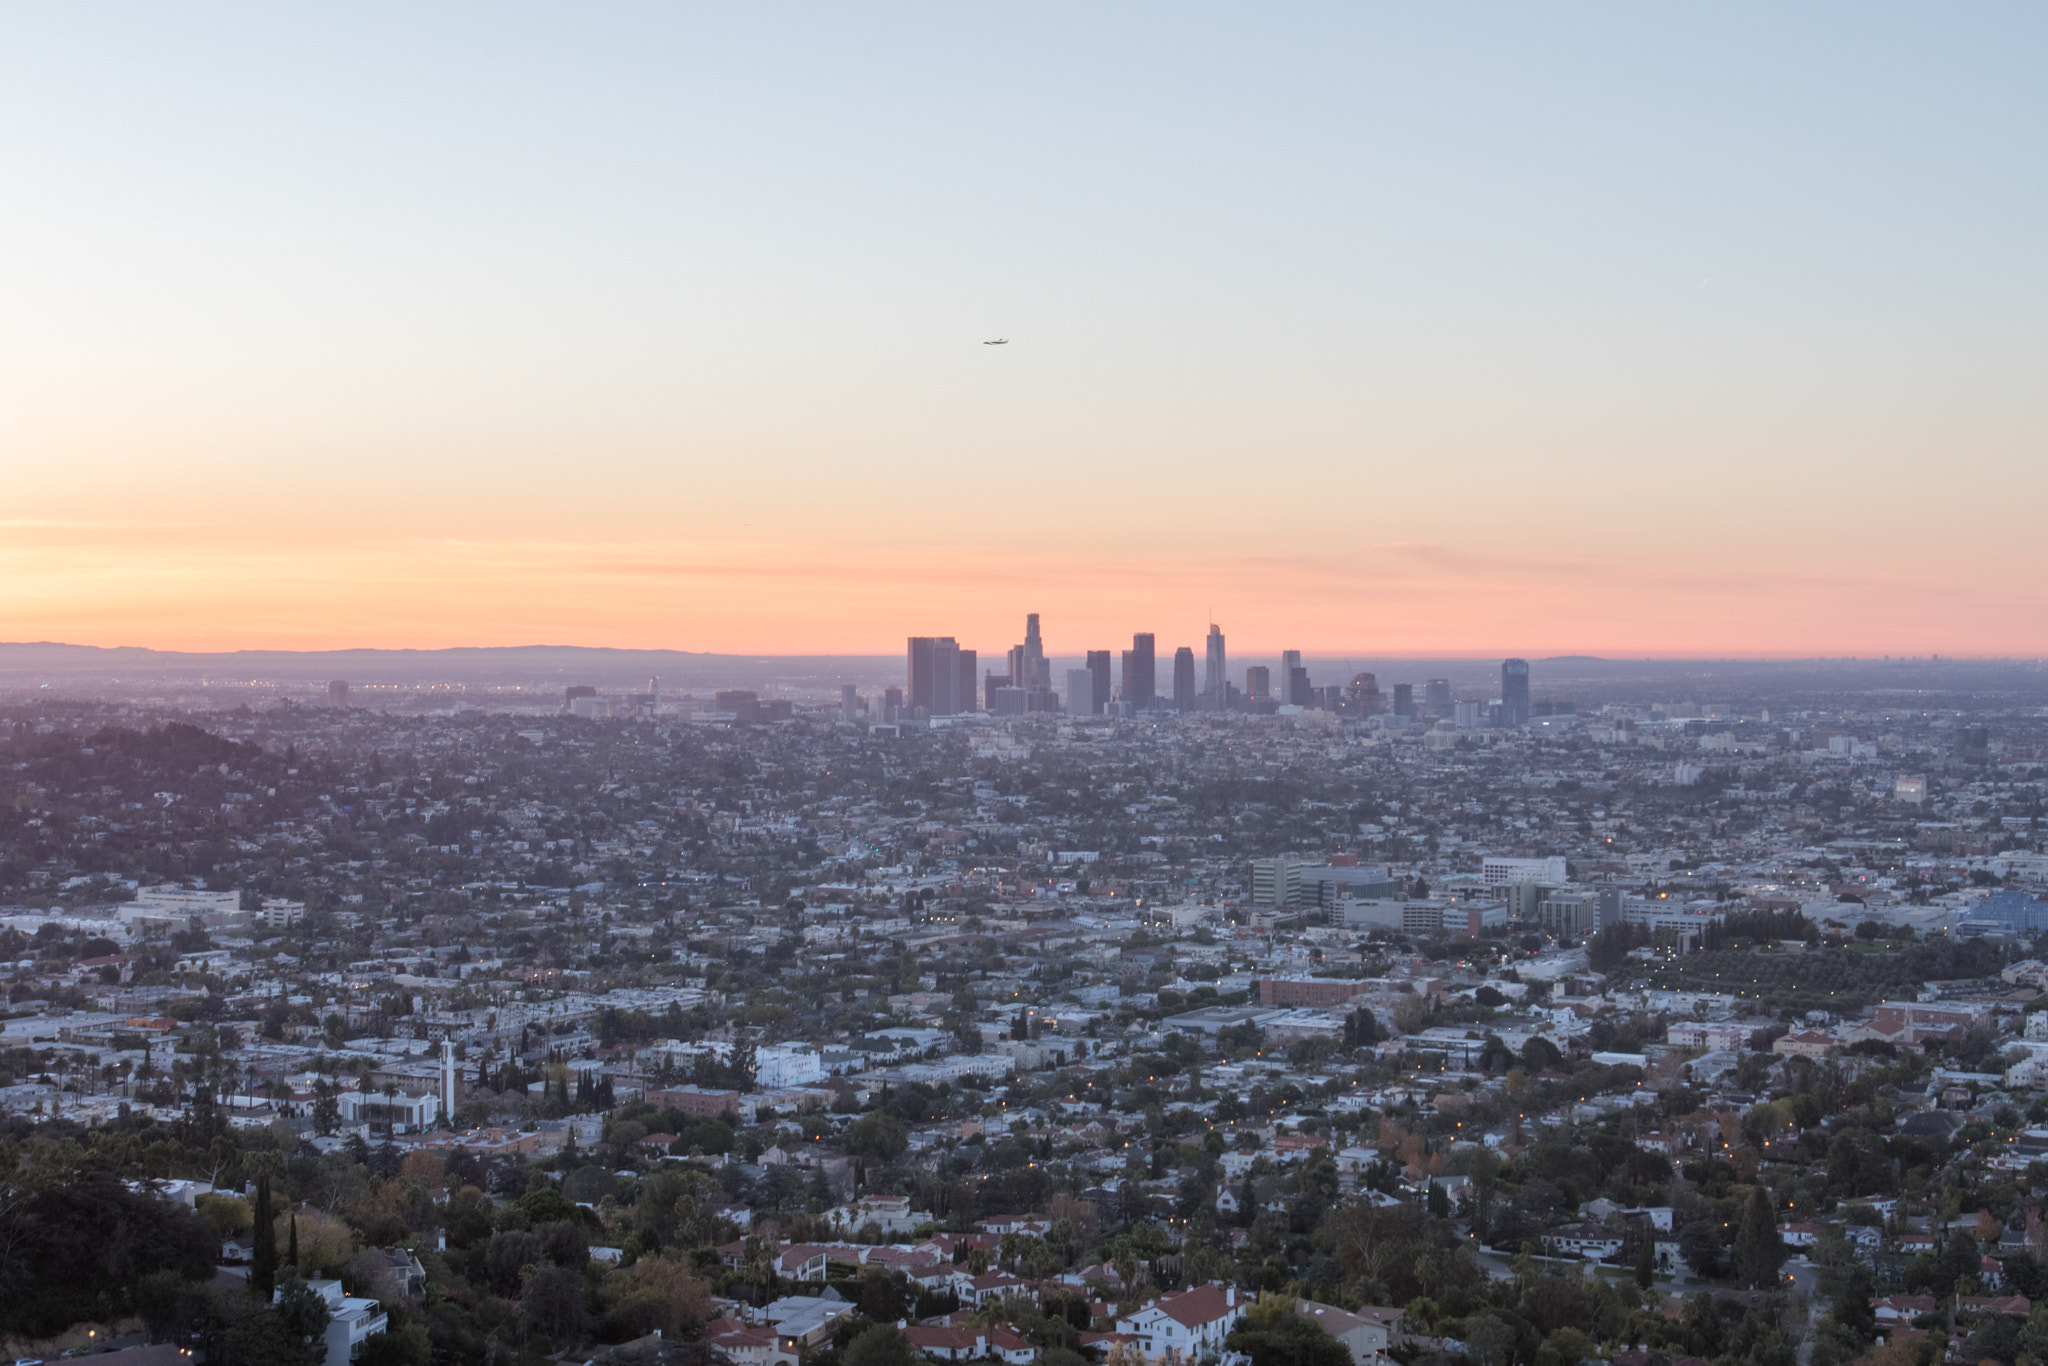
1184	679
1215	683
1141	672
1098	664
941	676
1514	692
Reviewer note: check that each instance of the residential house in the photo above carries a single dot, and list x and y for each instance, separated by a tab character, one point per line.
1185	1326
1367	1332
1583	1240
1900	1309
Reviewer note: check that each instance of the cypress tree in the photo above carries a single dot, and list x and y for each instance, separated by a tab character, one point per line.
263	1261
1759	1251
291	1256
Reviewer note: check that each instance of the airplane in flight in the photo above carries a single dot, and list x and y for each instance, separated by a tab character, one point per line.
999	341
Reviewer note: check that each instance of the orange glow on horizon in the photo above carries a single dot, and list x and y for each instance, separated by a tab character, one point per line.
217	593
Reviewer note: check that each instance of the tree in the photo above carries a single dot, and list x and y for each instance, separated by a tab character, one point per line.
407	1346
877	1134
1759	1250
1272	1334
305	1315
1699	1242
1608	949
668	1291
1571	1345
883	1297
553	1302
326	1107
1490	1341
229	1214
878	1345
74	1239
1361	1030
263	1260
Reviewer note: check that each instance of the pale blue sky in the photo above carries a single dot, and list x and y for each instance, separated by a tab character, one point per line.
1517	281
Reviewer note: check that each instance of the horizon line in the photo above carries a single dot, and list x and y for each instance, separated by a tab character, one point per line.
1324	653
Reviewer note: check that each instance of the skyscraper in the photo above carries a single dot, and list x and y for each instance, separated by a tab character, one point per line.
849	702
1294	681
1258	684
935	678
1215	677
1098	664
1436	696
1404	699
945	677
917	674
1184	679
1365	694
1081	700
964	692
1514	692
1037	673
1141	676
337	693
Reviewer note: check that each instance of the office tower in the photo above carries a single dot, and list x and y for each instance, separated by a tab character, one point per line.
1436	696
337	693
1404	699
574	691
1098	665
1037	673
1258	684
1294	682
964	694
1514	692
1184	679
991	685
935	676
892	703
1365	694
1277	881
1973	744
1140	672
918	674
744	704
1081	699
1030	670
848	702
1215	680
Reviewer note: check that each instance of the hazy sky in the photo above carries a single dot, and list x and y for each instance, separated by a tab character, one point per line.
1432	328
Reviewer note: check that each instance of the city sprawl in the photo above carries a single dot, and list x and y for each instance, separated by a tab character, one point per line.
1121	1012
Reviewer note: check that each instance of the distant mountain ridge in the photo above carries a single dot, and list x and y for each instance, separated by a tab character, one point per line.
603	666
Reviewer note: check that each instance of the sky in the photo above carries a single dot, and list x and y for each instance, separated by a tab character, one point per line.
1449	329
